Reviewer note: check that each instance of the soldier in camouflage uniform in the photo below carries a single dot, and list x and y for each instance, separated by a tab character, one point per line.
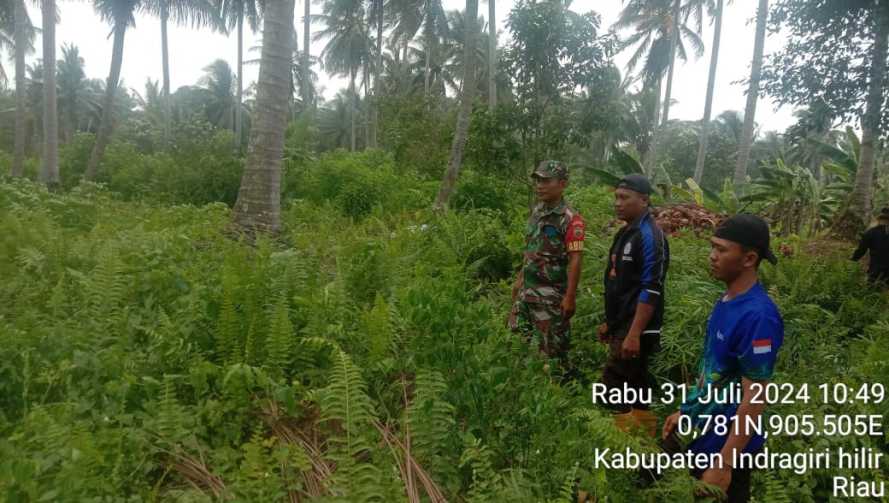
544	292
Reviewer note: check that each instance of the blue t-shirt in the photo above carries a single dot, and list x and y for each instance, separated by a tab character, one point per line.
743	337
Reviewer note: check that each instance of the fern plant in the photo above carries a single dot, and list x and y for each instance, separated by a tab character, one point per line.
229	346
430	420
279	343
348	412
485	480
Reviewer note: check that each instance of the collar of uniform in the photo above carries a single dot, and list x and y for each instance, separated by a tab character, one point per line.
541	208
635	223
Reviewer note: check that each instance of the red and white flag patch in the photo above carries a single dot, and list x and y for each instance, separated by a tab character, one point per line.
761	346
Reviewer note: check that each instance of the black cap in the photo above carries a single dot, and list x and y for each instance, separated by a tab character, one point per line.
750	231
884	214
636	183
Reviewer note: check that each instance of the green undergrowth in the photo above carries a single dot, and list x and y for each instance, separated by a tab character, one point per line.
144	355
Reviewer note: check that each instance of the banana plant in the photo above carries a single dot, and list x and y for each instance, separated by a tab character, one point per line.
791	196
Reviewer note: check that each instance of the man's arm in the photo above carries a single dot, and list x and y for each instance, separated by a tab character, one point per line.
569	302
517	284
653	256
738	437
633	342
863	245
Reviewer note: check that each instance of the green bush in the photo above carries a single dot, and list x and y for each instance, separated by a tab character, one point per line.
480	191
356	183
198	168
417	133
5	163
73	158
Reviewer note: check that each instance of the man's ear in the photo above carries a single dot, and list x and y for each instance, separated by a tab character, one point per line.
563	182
751	259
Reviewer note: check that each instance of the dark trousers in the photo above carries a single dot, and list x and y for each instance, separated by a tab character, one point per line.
633	371
878	277
739	488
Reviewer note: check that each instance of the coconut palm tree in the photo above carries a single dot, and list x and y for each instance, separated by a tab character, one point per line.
660	34
75	97
492	55
409	17
463	115
716	14
234	13
334	124
121	15
348	45
22	43
377	19
307	54
151	103
49	173
731	124
857	213
221	101
812	123
762	12
447	73
198	13
258	207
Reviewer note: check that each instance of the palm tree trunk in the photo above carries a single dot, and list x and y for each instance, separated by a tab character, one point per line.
258	208
649	157
752	95
857	213
453	171
50	172
674	41
378	84
103	134
365	116
239	120
708	103
307	30
165	64
492	56
429	29
428	63
405	66
21	97
352	107
659	125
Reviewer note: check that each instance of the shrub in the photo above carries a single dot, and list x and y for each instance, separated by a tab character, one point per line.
198	168
475	190
356	183
73	158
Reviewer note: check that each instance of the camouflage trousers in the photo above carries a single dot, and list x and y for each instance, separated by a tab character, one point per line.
544	324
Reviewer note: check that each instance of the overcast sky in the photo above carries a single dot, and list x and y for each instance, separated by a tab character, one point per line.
191	51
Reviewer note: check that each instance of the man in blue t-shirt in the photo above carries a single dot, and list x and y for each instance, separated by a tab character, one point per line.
744	333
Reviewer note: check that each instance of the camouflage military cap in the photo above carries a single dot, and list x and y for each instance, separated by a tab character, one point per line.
551	169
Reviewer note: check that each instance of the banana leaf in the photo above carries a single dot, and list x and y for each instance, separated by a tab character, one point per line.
625	163
605	176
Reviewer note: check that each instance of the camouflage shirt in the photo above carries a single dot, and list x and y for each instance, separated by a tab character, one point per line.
551	233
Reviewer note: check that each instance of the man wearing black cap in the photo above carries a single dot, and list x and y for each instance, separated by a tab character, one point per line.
744	333
634	303
876	242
